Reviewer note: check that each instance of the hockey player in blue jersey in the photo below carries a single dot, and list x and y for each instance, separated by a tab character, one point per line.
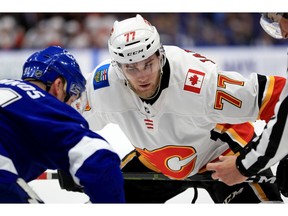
40	131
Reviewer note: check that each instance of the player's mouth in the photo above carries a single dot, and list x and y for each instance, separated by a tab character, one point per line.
144	86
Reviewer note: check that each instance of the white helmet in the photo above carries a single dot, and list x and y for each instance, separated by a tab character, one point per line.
133	40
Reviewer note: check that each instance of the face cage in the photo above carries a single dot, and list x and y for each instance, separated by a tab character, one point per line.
271	27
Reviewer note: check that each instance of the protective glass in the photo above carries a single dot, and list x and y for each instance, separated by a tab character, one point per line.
143	67
271	27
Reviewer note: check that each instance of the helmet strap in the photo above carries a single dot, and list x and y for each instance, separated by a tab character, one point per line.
48	87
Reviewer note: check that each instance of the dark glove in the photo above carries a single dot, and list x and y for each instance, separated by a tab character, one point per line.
67	183
282	176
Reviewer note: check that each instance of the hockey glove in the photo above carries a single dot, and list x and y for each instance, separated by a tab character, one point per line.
67	183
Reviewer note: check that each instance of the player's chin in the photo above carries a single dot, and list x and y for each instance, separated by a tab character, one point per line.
144	92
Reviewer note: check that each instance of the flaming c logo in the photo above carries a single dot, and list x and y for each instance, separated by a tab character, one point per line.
174	161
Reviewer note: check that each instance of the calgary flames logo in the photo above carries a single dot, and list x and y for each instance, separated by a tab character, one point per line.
176	162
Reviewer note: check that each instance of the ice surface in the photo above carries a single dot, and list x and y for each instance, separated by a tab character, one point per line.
50	192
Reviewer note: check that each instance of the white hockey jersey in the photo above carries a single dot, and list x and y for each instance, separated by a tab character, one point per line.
174	133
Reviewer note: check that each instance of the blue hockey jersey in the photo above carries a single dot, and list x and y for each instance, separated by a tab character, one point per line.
39	132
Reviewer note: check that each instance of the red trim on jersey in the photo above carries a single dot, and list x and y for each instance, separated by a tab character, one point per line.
273	93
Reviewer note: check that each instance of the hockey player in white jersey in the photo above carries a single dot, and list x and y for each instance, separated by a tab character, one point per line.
39	132
271	146
170	103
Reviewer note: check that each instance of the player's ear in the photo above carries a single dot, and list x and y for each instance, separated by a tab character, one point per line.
57	87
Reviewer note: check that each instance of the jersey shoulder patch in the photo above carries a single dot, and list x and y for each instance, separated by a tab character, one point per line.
100	79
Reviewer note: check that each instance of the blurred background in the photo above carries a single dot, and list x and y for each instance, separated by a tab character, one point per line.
91	30
235	41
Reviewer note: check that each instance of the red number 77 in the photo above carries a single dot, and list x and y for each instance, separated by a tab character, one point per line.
129	35
222	95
